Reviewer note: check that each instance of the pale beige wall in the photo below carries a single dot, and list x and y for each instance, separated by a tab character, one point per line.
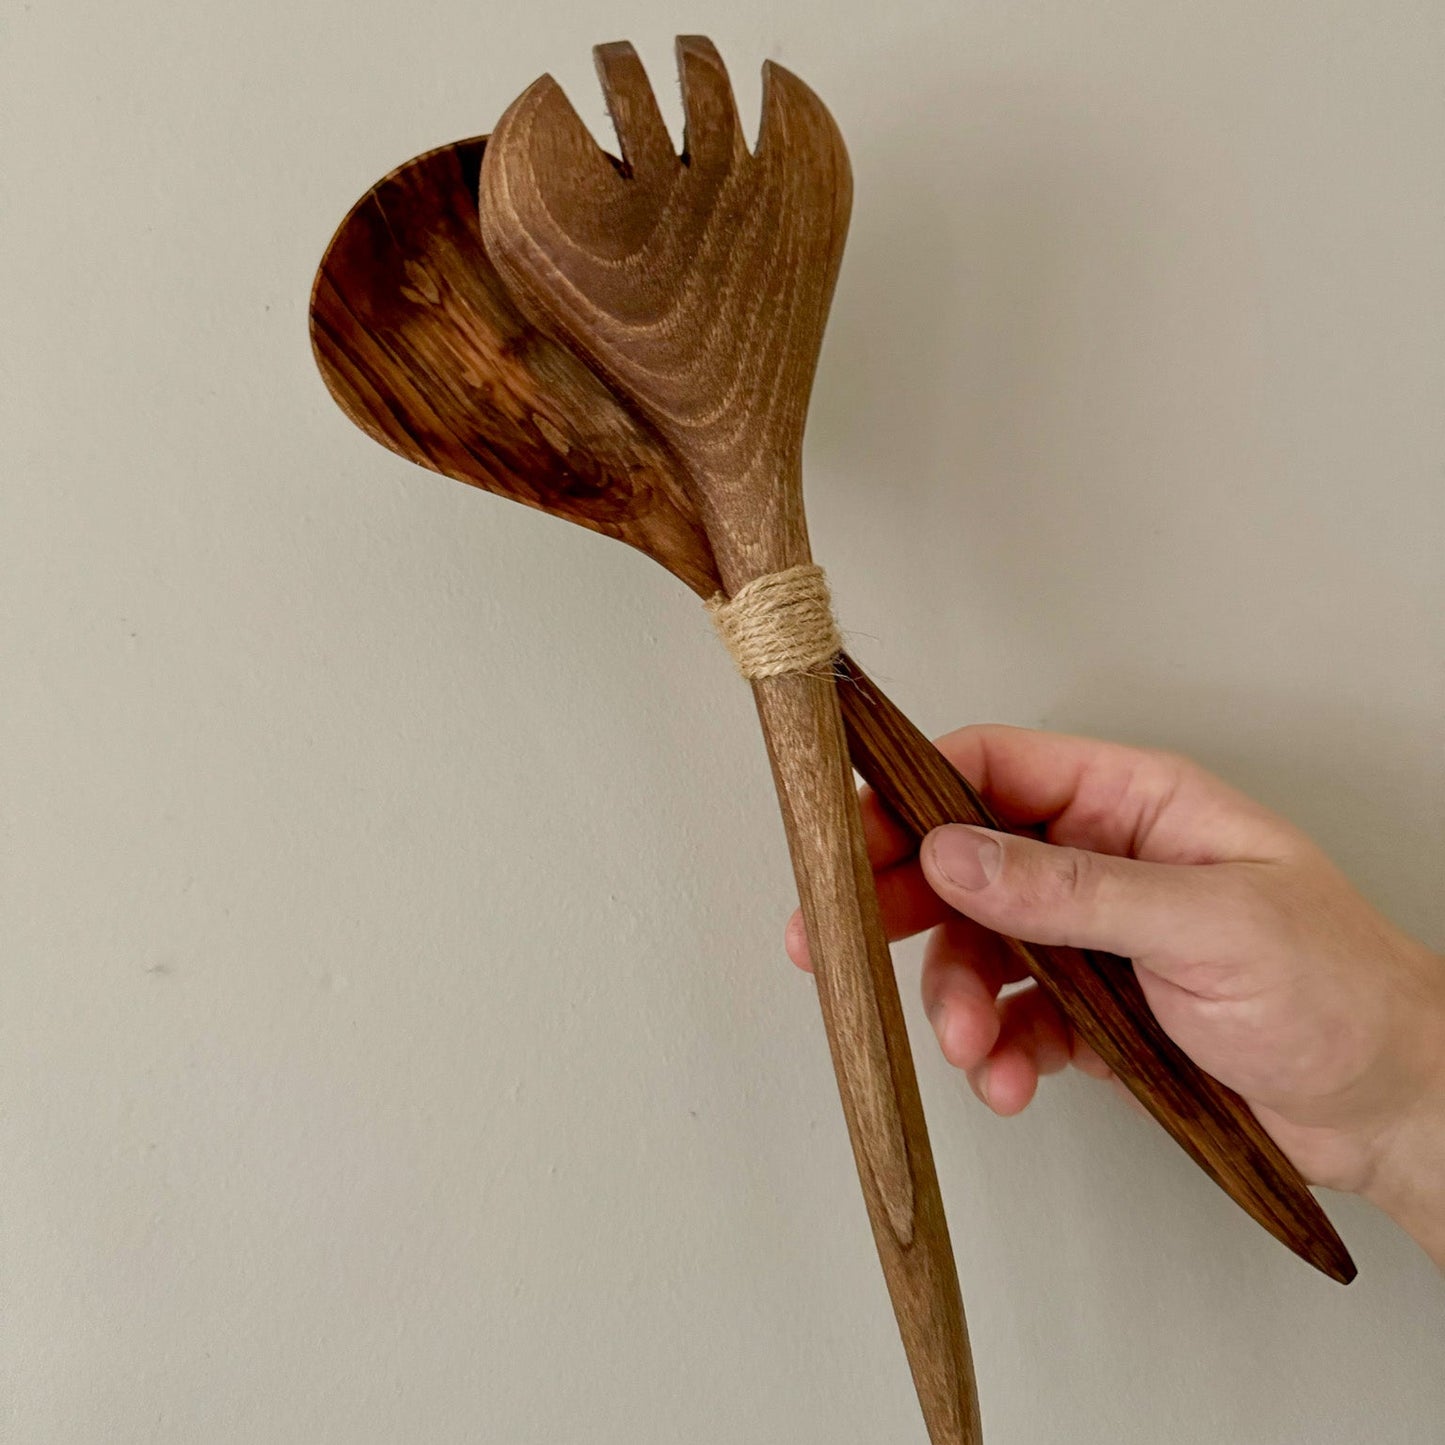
396	1043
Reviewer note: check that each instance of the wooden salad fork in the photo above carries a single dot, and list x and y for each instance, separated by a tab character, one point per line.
700	290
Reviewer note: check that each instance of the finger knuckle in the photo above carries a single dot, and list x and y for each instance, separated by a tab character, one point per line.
1076	874
1065	876
1167	766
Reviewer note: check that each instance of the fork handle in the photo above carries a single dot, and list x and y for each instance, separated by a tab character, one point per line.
868	1040
1100	995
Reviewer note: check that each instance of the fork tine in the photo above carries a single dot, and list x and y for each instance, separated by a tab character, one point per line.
787	103
563	141
712	133
641	134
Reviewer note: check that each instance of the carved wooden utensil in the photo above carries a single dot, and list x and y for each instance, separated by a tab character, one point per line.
700	290
424	349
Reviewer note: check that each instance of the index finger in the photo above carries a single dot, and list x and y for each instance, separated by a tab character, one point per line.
888	839
1100	795
1024	776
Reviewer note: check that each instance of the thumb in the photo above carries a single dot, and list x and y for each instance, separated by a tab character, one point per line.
1046	894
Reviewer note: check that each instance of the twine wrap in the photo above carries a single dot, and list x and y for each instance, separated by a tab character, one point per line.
779	623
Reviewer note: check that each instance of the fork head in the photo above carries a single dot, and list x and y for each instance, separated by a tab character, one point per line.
698	284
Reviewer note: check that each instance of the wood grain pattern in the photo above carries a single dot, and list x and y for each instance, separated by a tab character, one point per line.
699	288
424	349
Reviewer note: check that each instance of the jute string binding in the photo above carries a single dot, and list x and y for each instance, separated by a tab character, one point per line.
779	623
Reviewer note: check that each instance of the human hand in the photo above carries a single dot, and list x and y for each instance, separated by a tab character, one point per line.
1256	954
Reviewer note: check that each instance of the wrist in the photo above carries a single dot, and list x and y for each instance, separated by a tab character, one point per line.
1407	1180
1408	1183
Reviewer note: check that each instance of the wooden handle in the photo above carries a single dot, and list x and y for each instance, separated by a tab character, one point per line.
866	1034
1100	996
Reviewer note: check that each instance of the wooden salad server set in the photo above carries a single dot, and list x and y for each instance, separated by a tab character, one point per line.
630	344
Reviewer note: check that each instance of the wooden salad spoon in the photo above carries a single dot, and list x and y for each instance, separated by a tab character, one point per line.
423	348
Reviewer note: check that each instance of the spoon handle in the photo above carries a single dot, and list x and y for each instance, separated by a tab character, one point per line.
1100	996
858	992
